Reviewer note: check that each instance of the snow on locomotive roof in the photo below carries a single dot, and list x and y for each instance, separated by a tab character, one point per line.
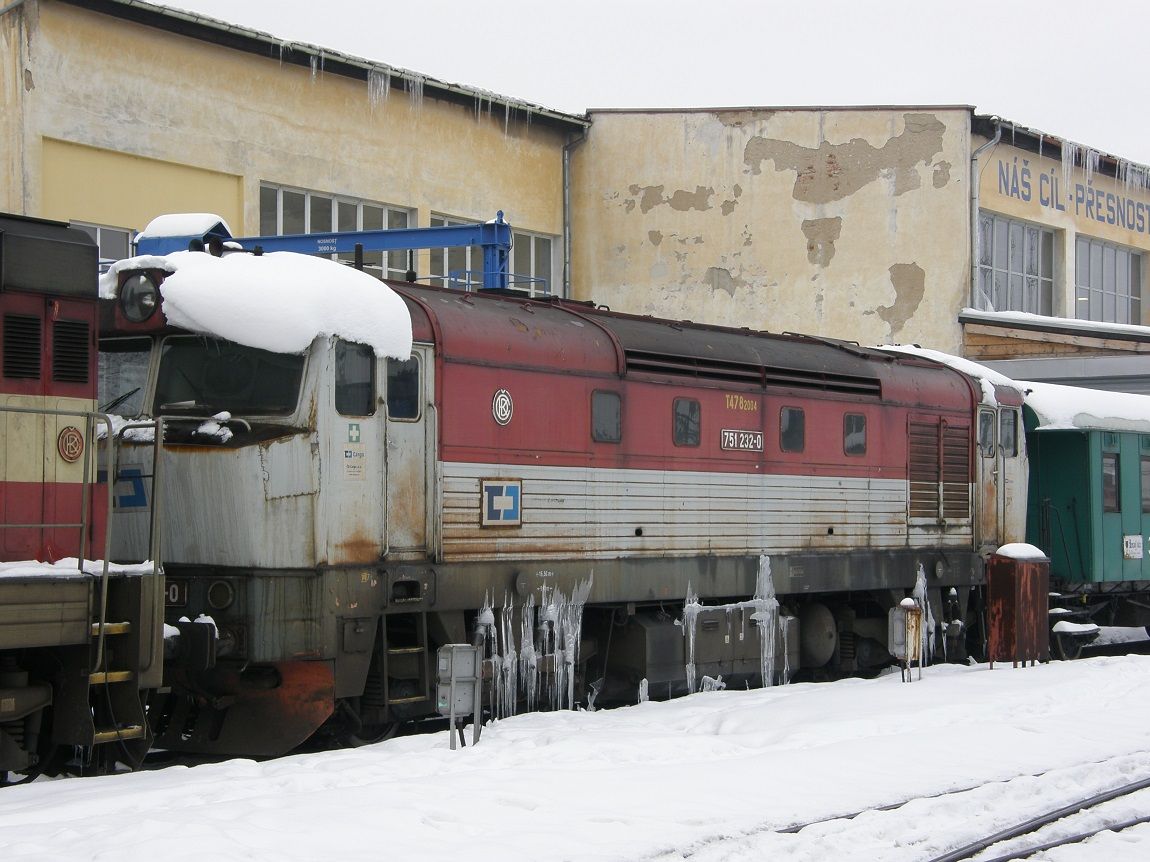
1073	407
280	301
987	377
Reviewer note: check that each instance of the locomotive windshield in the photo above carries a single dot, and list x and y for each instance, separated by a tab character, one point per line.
124	375
204	376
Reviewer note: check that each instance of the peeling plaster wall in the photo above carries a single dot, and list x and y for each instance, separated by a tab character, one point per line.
852	223
13	84
111	86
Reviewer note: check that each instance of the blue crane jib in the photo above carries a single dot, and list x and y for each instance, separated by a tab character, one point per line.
494	237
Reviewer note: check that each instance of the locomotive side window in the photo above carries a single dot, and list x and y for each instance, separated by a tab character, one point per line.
606	417
986	438
354	379
687	419
1145	483
403	388
792	429
1008	432
854	434
1111	496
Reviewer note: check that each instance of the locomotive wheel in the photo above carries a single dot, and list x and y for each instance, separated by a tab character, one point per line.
369	734
1067	647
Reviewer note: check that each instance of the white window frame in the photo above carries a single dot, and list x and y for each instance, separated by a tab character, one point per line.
391	217
103	233
1015	278
1099	293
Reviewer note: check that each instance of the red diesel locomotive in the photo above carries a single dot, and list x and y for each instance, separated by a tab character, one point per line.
79	641
613	503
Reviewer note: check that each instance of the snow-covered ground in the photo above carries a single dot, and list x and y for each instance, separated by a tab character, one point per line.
707	777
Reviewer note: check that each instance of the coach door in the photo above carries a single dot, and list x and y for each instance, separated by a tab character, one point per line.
1002	477
411	424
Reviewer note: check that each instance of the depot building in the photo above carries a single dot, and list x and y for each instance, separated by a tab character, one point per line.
939	225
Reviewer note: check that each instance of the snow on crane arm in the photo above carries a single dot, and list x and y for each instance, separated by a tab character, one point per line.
280	301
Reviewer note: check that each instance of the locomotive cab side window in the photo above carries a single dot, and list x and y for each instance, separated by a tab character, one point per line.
687	419
1008	432
606	417
854	434
986	435
792	429
403	389
354	379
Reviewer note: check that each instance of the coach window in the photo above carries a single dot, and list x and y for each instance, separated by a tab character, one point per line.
403	389
606	417
792	429
854	434
1008	432
687	417
354	379
1111	497
1145	483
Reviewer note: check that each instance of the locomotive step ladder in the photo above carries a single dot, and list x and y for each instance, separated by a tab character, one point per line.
101	707
405	658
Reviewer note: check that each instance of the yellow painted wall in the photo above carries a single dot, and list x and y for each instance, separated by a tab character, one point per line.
116	188
851	223
12	87
1020	184
158	122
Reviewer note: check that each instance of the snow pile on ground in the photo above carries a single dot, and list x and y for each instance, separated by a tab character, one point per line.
69	567
280	301
706	777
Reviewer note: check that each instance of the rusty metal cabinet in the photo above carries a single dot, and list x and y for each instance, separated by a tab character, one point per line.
1017	596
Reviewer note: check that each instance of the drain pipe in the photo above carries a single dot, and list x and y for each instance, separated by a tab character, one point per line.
974	232
567	148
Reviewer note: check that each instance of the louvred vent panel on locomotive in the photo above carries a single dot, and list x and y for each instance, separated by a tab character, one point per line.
70	351
939	468
22	347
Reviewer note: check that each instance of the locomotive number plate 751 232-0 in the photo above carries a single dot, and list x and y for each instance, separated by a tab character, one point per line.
751	441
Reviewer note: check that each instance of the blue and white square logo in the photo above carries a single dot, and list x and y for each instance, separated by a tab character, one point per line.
500	503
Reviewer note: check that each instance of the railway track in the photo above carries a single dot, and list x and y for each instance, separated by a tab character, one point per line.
898	817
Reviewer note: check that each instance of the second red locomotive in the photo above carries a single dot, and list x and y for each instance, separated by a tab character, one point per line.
608	498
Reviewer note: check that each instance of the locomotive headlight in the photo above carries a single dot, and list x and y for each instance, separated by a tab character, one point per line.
139	297
221	594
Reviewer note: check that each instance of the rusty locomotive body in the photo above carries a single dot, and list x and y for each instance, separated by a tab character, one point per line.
610	501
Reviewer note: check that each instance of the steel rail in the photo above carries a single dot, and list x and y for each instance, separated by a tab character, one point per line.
1035	823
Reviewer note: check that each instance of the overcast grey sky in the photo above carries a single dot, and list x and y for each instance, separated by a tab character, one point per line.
1076	71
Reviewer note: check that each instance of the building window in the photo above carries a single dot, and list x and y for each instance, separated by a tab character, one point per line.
792	429
531	263
1107	282
687	418
115	243
606	417
854	434
285	211
1111	497
1016	265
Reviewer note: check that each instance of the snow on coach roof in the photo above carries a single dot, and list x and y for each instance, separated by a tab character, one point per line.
1069	407
279	302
